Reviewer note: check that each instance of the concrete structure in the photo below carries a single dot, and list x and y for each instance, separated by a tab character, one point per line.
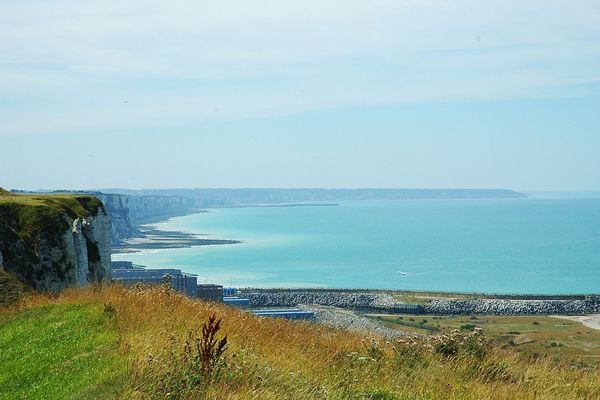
235	301
124	265
128	273
210	292
292	313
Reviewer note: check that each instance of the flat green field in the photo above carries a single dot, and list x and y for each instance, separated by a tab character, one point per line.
536	334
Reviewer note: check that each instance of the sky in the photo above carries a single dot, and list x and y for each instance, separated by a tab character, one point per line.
338	93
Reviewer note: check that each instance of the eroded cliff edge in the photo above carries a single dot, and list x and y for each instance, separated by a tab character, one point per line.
50	242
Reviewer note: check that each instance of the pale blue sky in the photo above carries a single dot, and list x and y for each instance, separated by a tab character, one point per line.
300	94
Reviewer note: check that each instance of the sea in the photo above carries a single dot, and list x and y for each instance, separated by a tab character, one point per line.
535	245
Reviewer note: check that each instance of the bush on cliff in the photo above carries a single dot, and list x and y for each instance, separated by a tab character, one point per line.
11	290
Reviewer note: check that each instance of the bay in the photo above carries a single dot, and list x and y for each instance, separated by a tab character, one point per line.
533	245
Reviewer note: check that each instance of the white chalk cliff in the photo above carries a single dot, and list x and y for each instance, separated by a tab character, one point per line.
66	249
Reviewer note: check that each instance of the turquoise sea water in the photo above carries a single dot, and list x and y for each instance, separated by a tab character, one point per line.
501	246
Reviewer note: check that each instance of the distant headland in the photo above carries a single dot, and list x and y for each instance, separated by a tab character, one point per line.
244	196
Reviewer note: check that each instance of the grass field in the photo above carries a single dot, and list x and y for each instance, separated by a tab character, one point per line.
535	334
59	351
144	343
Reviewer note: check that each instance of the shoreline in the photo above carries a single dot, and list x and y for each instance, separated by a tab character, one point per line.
151	238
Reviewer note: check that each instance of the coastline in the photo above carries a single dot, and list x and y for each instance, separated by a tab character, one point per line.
154	238
339	247
151	238
350	308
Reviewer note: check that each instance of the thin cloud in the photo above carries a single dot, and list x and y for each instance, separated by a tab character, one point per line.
70	66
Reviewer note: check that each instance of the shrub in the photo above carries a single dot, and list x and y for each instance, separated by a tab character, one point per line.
374	350
410	354
193	368
447	345
209	349
11	290
473	344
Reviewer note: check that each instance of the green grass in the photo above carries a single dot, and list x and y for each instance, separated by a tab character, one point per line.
60	352
538	334
75	205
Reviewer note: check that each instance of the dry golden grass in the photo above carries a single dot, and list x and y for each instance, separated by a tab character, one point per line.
278	359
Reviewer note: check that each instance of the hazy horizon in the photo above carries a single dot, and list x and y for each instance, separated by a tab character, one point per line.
313	94
528	193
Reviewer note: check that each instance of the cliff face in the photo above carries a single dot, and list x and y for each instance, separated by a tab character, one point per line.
128	211
51	242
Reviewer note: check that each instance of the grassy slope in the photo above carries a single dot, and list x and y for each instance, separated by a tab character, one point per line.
59	351
74	342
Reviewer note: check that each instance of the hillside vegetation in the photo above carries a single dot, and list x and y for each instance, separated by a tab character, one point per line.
532	334
146	343
11	290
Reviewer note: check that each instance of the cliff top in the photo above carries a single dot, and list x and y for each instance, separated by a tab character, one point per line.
74	205
27	214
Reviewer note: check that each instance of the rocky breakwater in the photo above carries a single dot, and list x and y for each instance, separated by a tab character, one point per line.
588	305
50	242
361	301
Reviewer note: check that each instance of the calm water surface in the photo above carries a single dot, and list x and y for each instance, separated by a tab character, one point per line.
502	246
